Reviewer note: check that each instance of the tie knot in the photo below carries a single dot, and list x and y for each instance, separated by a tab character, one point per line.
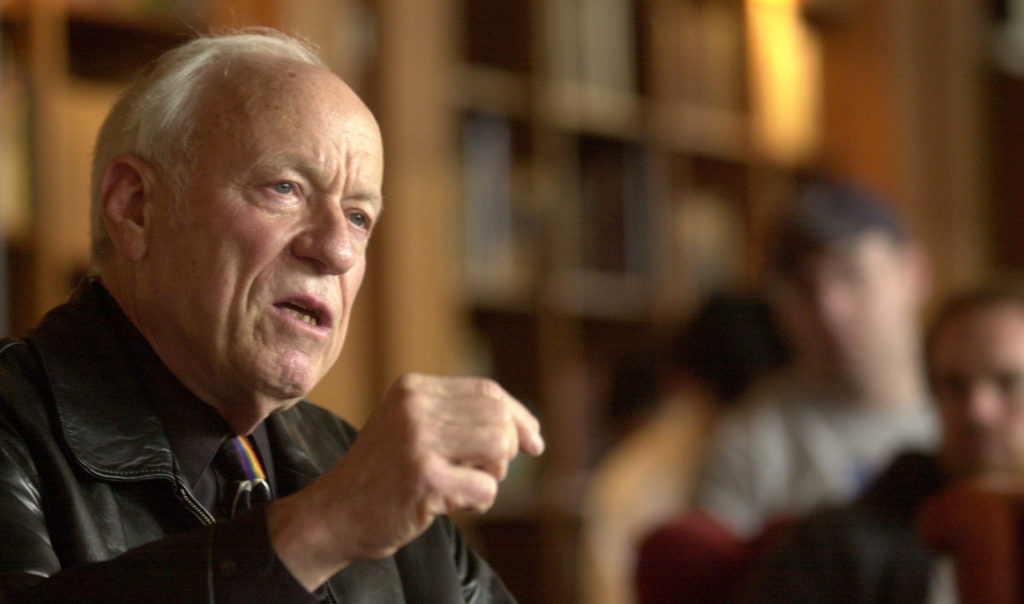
245	481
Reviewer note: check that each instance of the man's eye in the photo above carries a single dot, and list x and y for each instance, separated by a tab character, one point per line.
1011	384
360	219
284	188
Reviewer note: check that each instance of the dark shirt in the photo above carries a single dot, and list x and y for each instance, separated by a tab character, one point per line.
195	430
864	552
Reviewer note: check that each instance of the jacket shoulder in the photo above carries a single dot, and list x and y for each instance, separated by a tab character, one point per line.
22	380
311	435
18	359
309	412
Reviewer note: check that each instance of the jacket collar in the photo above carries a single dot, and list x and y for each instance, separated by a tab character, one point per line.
102	371
97	365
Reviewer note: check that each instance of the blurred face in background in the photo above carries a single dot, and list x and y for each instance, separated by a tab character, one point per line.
977	372
852	309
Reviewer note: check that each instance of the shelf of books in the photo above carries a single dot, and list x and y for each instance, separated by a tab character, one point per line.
606	172
63	64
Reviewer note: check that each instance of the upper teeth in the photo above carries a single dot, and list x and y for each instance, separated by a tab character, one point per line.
302	316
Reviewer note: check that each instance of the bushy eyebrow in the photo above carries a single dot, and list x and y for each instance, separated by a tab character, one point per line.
313	174
372	198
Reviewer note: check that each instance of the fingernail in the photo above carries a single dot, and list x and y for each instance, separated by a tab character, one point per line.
538	443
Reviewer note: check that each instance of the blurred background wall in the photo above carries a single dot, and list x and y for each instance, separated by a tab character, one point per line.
563	176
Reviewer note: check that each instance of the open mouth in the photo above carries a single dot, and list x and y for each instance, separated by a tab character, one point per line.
307	315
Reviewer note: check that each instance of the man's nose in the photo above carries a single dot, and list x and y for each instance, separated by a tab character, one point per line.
833	304
326	242
984	404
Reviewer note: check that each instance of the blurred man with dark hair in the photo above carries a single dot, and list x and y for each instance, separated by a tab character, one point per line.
849	283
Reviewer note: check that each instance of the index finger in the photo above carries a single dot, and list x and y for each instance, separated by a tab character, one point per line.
526	424
527	428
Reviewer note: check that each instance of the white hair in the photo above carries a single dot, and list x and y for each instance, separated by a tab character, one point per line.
155	118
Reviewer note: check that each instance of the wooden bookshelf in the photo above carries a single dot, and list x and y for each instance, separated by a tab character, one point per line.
69	60
597	131
563	178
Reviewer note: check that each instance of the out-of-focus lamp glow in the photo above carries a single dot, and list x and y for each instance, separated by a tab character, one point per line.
785	84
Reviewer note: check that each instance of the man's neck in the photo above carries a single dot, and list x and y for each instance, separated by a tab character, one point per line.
895	386
897	380
897	390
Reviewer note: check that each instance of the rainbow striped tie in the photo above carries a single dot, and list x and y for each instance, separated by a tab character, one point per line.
248	486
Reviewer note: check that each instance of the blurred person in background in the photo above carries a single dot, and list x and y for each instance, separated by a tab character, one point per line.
680	386
850	282
891	545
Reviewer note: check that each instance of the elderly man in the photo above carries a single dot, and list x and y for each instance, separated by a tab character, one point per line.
236	186
873	550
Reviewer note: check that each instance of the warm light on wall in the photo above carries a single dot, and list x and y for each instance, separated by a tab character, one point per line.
785	72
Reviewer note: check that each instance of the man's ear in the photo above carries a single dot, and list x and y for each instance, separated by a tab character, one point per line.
125	191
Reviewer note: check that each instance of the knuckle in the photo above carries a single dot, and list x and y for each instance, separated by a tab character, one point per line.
480	498
495	446
408	382
495	411
508	444
498	470
489	495
511	444
417	403
489	389
431	473
404	383
421	446
417	407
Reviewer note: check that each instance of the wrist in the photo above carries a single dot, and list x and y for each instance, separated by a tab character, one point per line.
303	544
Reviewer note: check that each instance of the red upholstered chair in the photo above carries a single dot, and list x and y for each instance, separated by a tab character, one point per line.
696	559
981	525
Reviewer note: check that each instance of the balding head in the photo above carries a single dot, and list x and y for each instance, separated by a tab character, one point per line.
155	118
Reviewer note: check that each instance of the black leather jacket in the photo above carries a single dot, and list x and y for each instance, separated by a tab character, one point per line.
93	509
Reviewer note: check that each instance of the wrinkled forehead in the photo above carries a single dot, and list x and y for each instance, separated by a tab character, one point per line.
979	341
272	108
989	325
245	93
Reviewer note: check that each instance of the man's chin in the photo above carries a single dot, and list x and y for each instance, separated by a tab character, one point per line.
291	379
284	395
273	396
276	402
